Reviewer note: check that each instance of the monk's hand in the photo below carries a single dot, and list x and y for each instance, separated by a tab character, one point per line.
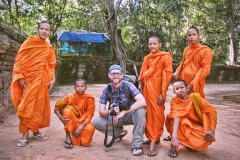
209	135
190	88
64	120
78	131
51	84
22	83
175	75
175	144
160	100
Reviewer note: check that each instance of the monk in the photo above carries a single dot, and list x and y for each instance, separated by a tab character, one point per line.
195	65
191	122
33	76
155	77
75	111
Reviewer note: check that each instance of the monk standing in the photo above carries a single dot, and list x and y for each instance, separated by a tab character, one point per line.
155	77
75	111
33	76
191	122
196	63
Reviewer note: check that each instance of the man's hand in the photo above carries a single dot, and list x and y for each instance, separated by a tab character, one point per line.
175	75
51	84
64	120
78	131
209	135
119	115
160	100
22	83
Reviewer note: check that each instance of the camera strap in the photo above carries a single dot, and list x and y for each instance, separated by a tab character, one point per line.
106	131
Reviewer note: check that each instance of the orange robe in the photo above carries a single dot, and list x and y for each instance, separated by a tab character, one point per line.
155	75
35	61
85	104
196	66
191	129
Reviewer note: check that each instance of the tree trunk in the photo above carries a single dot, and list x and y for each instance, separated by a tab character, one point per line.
115	34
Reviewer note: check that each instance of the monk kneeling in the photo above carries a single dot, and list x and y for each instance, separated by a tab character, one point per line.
76	111
191	122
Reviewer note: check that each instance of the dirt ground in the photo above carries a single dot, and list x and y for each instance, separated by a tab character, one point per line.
226	146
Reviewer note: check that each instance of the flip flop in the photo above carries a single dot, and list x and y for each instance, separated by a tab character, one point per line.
22	143
136	149
152	153
190	149
148	142
69	145
172	154
40	136
168	138
122	134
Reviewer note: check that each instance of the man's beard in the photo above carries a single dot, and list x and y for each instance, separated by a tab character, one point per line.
116	81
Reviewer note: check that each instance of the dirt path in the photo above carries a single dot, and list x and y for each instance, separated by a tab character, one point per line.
226	146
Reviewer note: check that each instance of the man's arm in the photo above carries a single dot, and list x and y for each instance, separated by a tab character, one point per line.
139	103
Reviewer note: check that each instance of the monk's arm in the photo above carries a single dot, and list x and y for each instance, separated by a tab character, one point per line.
89	112
175	141
52	61
204	71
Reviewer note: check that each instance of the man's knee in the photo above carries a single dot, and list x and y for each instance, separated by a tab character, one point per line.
98	122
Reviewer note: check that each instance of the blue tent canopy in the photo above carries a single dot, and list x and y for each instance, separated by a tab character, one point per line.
81	36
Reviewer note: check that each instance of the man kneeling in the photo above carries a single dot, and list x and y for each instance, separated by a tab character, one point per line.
75	111
191	122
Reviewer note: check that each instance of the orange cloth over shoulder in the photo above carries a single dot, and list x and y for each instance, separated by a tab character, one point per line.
191	130
85	104
196	66
155	75
35	61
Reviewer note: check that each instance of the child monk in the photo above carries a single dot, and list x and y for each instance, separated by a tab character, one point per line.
191	122
75	111
155	77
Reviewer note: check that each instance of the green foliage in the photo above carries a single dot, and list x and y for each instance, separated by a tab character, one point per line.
138	20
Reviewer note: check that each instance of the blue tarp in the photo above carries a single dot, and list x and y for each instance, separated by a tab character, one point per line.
81	37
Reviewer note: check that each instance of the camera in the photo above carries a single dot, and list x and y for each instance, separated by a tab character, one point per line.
121	105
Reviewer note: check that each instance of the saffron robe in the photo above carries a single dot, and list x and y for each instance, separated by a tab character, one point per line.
192	128
35	61
196	66
85	105
155	75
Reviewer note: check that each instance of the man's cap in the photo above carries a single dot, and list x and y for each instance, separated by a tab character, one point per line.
115	67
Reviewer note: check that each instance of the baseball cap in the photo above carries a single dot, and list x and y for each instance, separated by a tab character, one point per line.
115	67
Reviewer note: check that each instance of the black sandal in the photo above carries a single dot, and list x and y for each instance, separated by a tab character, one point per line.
190	149
148	142
172	154
152	153
168	138
69	145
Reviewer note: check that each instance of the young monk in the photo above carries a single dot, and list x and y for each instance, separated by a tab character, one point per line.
191	122
195	65
155	77
33	76
75	111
